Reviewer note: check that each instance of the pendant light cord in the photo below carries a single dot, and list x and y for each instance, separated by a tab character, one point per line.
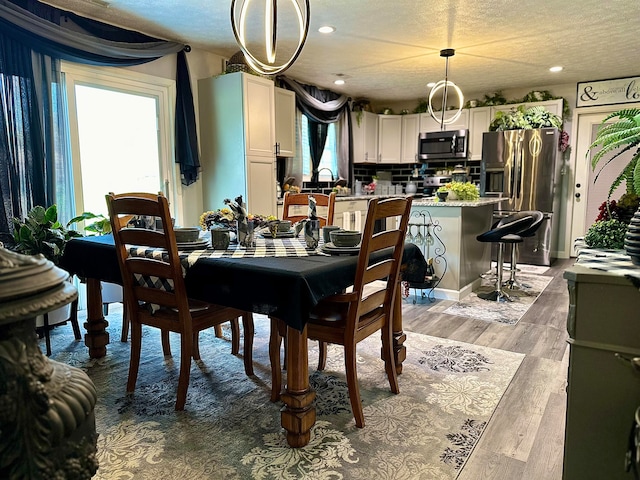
444	93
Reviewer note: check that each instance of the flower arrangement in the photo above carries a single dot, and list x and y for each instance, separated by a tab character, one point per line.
225	217
622	209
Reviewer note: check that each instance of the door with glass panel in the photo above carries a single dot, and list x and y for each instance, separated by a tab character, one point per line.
119	135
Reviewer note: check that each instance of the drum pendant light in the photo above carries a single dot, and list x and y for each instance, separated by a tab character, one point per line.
239	23
445	85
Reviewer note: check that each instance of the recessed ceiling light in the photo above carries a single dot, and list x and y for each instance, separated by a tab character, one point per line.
327	29
431	84
556	69
339	82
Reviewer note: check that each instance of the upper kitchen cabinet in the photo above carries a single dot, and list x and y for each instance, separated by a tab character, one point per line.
554	106
285	122
389	138
429	124
237	140
365	137
479	120
410	132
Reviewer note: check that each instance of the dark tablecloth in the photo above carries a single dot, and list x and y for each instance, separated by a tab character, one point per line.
287	288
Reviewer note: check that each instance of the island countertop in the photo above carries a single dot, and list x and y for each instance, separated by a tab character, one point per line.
433	202
424	201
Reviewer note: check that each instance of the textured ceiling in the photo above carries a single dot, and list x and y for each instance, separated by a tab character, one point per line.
389	49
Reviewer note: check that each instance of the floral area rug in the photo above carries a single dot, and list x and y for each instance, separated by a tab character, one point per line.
230	430
508	313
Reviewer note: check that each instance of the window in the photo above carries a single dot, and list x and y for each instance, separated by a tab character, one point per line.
329	155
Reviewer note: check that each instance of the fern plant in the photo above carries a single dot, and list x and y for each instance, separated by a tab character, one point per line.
620	137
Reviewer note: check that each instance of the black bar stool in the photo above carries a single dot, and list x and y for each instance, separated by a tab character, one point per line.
530	231
505	232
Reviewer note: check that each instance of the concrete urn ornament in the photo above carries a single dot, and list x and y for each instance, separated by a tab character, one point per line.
46	407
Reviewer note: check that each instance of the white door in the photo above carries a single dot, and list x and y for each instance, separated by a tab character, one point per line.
589	194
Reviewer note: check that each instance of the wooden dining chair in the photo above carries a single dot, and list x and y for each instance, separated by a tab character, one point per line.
347	318
155	293
302	200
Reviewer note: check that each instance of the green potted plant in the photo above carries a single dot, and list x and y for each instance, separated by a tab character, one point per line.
620	137
615	139
460	191
607	234
41	233
522	119
101	225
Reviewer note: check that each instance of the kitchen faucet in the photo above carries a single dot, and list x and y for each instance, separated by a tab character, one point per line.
324	168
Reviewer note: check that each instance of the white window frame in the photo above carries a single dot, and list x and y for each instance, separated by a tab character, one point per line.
128	81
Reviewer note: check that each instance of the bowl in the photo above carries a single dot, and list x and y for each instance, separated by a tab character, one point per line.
284	226
186	234
442	196
345	238
326	232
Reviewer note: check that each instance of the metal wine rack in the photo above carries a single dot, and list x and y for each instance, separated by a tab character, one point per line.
427	239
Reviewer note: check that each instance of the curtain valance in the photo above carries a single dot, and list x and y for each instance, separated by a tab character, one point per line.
322	106
40	33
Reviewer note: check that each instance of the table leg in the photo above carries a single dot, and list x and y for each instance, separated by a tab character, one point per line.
299	415
96	338
399	337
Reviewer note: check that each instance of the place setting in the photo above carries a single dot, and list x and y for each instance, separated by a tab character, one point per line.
188	238
340	242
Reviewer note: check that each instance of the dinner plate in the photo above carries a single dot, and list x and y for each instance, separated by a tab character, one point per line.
199	244
289	234
331	249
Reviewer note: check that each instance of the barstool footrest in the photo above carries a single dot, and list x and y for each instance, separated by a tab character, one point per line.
495	296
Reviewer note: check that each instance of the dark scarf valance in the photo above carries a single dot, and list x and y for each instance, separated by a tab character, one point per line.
322	106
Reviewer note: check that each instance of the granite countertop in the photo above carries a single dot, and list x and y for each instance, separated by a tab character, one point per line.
433	202
424	201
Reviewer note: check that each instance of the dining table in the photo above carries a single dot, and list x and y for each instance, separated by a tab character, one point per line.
280	278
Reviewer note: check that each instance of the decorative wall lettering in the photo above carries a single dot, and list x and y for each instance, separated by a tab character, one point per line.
608	92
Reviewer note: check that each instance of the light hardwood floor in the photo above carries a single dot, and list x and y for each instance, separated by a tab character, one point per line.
525	437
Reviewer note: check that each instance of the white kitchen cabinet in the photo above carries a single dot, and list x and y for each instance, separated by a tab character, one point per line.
261	192
479	120
285	105
259	114
554	106
237	140
429	124
410	132
389	138
365	137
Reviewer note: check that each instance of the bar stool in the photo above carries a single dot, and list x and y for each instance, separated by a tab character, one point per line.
530	231
505	232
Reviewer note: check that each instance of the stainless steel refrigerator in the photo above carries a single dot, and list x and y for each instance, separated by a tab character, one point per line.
521	166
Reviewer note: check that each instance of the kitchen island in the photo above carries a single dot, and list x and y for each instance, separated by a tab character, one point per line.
458	258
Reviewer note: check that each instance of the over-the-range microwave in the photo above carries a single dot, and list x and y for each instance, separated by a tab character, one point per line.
443	145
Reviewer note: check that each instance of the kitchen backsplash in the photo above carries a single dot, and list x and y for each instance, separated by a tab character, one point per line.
403	173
